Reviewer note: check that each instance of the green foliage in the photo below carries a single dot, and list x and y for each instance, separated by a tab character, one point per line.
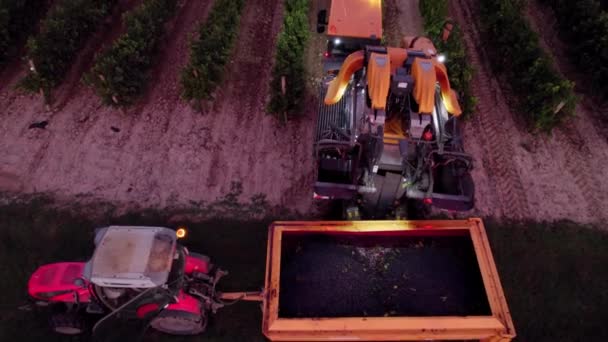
62	34
120	72
434	13
515	52
289	61
584	26
210	52
17	19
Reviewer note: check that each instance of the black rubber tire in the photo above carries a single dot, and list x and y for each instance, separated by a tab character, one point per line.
175	322
67	323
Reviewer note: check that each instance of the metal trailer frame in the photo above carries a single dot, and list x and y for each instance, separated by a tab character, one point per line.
498	327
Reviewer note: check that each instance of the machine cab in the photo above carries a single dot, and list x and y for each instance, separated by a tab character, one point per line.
352	25
132	257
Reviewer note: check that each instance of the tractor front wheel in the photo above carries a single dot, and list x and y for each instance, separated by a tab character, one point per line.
179	323
67	324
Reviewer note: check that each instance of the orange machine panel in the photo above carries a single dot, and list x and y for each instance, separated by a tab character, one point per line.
285	244
398	57
379	79
450	100
420	43
427	73
337	87
380	68
355	18
423	71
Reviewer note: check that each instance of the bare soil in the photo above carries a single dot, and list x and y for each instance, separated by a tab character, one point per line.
317	45
520	175
517	174
162	153
545	24
401	18
109	31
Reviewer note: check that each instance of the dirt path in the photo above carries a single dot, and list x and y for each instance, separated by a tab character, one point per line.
488	139
544	22
161	153
401	18
111	28
251	147
317	45
519	175
587	134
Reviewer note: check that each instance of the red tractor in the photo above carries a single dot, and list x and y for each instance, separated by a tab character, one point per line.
135	273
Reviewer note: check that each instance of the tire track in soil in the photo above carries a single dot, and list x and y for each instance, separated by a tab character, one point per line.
165	153
268	158
489	119
163	92
543	21
239	107
250	67
174	54
576	144
391	27
69	88
17	69
40	154
582	173
85	120
161	110
401	18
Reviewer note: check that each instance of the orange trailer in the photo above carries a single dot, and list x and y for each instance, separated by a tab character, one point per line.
424	241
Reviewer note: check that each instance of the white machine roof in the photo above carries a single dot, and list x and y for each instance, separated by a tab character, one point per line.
130	256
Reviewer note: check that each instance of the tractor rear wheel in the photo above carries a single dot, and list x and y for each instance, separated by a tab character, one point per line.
67	324
179	323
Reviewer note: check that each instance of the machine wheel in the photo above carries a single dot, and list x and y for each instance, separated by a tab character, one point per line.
67	324
179	323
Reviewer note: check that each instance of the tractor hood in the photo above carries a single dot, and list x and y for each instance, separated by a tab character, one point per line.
58	282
